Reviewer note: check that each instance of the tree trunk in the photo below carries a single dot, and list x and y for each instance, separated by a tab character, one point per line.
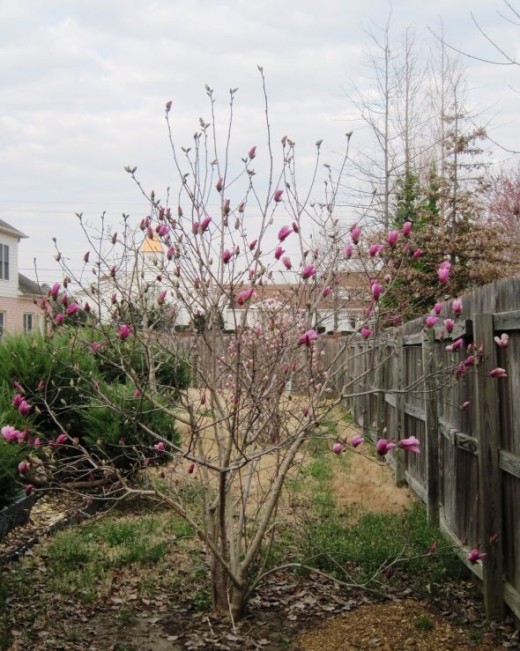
227	598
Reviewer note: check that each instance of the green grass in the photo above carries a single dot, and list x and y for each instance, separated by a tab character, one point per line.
357	546
424	623
84	560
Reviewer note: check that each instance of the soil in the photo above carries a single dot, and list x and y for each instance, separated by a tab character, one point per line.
287	614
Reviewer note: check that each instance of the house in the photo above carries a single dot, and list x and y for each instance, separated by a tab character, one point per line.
137	279
19	311
339	311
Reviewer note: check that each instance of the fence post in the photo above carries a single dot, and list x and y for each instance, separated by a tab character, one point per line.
398	383
431	427
489	473
365	400
380	386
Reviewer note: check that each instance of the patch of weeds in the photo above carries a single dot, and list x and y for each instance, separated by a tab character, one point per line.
202	600
68	551
424	623
475	635
319	469
126	617
142	552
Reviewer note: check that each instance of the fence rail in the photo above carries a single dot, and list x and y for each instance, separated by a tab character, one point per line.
469	428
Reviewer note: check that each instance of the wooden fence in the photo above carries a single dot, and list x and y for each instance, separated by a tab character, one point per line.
468	473
403	384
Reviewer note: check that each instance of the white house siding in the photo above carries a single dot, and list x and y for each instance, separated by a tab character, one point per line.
9	288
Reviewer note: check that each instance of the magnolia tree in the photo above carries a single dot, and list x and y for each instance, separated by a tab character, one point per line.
223	274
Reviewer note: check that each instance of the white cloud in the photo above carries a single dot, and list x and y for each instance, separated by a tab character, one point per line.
83	87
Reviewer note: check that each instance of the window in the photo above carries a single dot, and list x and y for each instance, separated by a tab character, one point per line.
27	322
4	262
2	324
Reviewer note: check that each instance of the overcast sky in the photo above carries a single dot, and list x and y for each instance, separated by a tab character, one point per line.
83	86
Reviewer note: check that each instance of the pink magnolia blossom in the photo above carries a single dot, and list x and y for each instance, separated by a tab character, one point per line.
96	346
284	233
61	439
86	307
245	295
502	341
498	372
10	434
449	324
366	332
252	245
159	446
86	257
191	468
17	400
137	393
287	262
114	238
307	338
347	251
308	271
418	253
456	345
392	238
277	197
219	185
356	440
205	224
251	153
170	252
29	488
475	555
295	227
279	251
430	320
54	291
355	234
72	309
226	256
375	249
407	229
305	411
24	408
24	467
383	446
470	360
465	404
456	306
162	296
377	290
327	291
443	273
437	308
195	227
162	230
411	444
337	448
124	331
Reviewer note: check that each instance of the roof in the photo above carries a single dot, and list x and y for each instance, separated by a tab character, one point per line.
28	286
151	245
10	230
